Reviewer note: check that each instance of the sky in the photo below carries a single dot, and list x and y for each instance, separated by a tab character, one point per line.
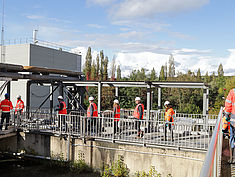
137	33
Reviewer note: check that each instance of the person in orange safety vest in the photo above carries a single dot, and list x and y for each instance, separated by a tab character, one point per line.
19	109
139	115
62	111
116	114
92	112
229	111
6	106
226	125
169	113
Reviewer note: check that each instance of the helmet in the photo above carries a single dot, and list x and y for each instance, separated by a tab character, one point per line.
18	97
7	95
116	101
91	98
137	99
60	97
166	103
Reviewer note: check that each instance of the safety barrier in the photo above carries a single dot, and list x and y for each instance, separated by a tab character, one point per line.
212	163
156	132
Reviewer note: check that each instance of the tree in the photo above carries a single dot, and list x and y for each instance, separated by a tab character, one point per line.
153	75
113	69
171	68
93	71
101	64
87	69
162	74
97	65
119	73
105	75
220	70
198	74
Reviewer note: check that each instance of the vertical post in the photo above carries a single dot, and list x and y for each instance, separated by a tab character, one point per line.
51	99
9	89
61	90
148	101
151	108
205	106
28	98
99	97
159	97
116	92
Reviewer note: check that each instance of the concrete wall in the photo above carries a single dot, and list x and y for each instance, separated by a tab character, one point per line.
35	55
179	163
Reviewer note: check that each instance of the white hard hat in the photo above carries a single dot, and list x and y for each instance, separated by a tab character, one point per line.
116	101
166	103
18	97
137	99
91	98
60	97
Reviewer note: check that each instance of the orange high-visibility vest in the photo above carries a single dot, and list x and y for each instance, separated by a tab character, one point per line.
136	111
230	103
64	110
225	124
6	106
117	114
169	115
19	105
95	112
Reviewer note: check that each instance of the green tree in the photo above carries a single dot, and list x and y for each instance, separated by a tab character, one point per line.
97	66
87	69
162	74
171	68
105	75
113	69
119	73
198	74
101	64
153	75
93	71
220	70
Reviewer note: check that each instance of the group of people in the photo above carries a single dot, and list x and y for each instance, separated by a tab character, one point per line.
6	107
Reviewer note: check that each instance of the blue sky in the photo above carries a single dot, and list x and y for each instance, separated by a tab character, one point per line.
140	33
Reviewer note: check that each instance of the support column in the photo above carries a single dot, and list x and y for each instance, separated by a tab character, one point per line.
205	106
159	97
28	97
116	92
51	99
148	101
61	90
9	89
99	97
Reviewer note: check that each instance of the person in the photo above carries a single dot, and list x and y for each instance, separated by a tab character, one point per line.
91	114
226	125
139	115
6	107
19	109
116	114
169	113
230	117
62	111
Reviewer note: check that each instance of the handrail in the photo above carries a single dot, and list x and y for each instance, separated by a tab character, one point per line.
211	164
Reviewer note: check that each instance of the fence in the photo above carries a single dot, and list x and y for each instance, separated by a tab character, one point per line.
212	163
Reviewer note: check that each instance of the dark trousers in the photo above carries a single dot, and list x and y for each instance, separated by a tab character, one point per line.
115	127
171	130
7	116
62	123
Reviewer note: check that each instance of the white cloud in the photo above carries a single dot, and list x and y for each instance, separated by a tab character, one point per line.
100	2
185	59
95	26
149	8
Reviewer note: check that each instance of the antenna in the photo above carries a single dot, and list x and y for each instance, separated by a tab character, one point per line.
2	37
35	41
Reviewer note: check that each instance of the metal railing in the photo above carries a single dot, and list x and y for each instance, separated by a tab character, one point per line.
212	163
179	134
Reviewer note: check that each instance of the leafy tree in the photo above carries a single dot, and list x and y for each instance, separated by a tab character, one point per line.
87	69
119	73
162	74
97	66
105	75
198	74
93	71
220	70
113	69
153	75
171	68
101	64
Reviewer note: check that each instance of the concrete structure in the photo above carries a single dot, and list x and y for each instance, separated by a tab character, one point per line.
35	55
179	163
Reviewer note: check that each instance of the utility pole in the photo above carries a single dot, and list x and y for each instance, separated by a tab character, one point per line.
2	36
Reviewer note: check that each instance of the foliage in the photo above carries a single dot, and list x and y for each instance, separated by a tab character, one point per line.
117	169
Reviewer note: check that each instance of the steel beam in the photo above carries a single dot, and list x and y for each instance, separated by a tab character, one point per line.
116	92
148	101
99	97
159	97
